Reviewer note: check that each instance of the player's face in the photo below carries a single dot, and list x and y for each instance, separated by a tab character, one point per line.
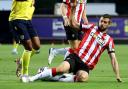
104	23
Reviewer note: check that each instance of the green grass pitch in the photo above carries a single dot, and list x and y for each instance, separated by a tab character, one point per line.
102	77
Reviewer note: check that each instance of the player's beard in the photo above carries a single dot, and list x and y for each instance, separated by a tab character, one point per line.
102	29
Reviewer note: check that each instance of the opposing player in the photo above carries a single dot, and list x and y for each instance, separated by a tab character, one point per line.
70	8
85	58
20	23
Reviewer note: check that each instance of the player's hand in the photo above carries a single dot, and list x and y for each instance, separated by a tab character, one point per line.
75	24
119	80
66	21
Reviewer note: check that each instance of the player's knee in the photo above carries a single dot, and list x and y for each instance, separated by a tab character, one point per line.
82	76
37	47
63	68
35	43
29	48
27	45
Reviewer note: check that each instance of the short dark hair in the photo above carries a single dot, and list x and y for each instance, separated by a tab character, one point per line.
106	16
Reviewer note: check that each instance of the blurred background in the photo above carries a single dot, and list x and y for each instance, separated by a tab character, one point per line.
48	22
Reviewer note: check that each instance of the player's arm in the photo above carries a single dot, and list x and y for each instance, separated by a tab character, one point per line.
63	9
114	62
115	65
81	26
84	16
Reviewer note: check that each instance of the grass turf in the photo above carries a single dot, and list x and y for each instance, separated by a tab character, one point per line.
102	77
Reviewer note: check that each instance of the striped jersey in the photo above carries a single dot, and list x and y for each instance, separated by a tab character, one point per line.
78	1
93	44
78	11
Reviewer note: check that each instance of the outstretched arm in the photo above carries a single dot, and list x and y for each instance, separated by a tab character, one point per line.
115	66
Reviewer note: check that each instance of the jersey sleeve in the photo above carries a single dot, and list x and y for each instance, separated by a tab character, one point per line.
85	27
111	46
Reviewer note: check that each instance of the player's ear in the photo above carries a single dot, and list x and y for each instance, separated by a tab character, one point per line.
110	22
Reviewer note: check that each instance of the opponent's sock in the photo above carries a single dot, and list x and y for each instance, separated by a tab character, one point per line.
25	61
67	78
46	73
61	51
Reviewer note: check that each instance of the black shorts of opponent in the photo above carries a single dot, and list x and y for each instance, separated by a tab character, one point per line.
73	34
22	30
76	64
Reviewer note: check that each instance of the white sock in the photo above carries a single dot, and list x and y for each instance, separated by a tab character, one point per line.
67	53
68	78
61	51
55	78
44	74
14	50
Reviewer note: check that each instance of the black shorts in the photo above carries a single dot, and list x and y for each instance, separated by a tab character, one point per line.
73	34
22	30
76	64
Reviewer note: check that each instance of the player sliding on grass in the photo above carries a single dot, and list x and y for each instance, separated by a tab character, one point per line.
85	58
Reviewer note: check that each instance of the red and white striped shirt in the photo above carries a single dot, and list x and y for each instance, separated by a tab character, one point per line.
78	1
93	44
80	7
